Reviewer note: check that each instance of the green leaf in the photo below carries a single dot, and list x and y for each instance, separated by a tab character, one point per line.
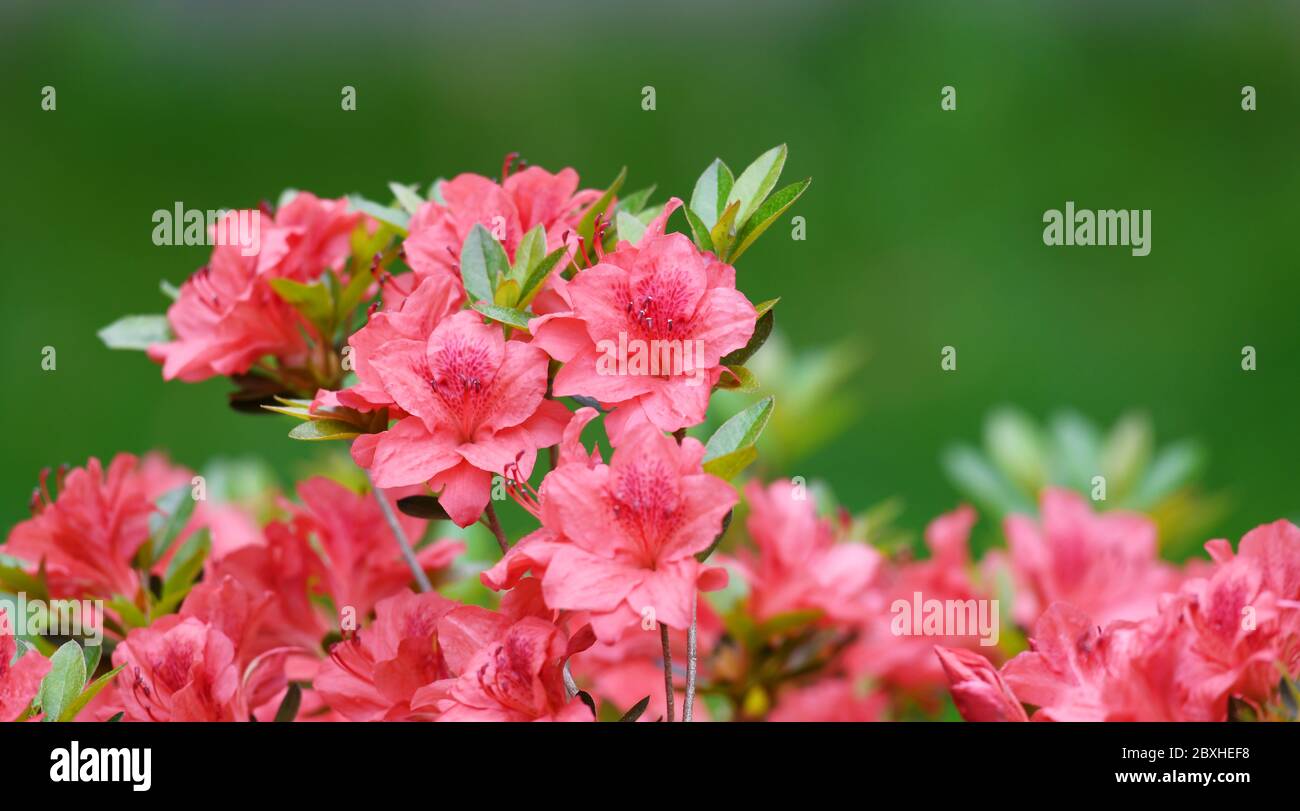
128	612
89	694
729	465
169	290
637	710
635	202
762	331
398	219
531	250
422	507
766	215
407	197
289	706
136	332
629	227
587	225
711	191
756	182
787	622
738	379
1172	468
741	431
483	263
174	509
186	563
723	231
318	430
699	231
507	294
984	483
505	315
92	654
1013	443
61	686
537	276
314	301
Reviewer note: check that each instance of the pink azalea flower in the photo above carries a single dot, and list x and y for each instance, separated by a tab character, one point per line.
799	566
1246	617
1105	564
978	689
405	316
516	676
619	541
180	669
663	293
476	406
89	533
376	674
227	317
509	210
19	680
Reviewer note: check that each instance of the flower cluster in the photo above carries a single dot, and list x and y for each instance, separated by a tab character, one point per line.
529	345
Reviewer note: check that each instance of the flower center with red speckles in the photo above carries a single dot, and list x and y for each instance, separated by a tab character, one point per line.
172	667
461	374
647	506
658	307
507	677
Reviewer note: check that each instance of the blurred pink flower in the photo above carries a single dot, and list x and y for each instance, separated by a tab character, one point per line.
834	699
799	566
1103	563
89	532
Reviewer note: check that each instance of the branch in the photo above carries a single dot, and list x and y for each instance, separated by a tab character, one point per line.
495	526
668	670
407	552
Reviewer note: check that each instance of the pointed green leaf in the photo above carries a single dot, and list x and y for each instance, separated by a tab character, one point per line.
699	231
314	301
710	193
531	250
762	331
61	686
635	202
504	315
729	465
136	332
637	710
318	430
741	431
407	197
767	214
422	507
87	695
756	182
186	563
629	227
288	710
537	276
385	214
482	264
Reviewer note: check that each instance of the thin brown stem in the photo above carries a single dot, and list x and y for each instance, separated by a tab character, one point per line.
668	670
495	526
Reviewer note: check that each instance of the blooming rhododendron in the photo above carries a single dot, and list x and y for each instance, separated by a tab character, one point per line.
525	358
20	676
88	533
666	294
623	536
227	316
476	407
526	199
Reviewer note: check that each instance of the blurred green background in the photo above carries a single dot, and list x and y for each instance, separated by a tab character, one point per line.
923	227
